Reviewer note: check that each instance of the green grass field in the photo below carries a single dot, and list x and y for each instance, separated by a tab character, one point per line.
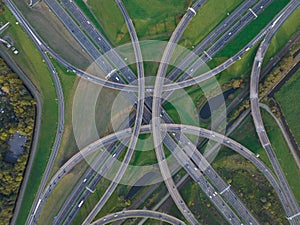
68	145
240	69
285	32
288	98
181	108
144	154
41	77
151	19
111	23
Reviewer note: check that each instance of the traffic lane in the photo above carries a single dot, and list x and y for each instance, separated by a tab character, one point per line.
126	214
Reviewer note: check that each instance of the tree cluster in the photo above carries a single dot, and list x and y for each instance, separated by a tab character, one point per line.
278	71
17	111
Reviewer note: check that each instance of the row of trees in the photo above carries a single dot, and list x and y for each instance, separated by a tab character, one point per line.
283	65
17	111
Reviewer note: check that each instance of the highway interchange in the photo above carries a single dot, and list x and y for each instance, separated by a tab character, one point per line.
99	144
112	62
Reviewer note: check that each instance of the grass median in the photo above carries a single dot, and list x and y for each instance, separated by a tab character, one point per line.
288	98
208	17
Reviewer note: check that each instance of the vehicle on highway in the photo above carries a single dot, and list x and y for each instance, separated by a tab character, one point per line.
81	203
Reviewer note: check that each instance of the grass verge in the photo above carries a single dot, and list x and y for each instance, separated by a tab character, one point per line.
288	97
290	27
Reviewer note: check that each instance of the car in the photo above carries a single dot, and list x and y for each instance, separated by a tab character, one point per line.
81	203
84	180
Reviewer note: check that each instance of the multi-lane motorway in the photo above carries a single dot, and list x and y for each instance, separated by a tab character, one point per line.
217	39
138	118
118	75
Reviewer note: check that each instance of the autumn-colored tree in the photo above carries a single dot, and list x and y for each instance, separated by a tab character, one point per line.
18	109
